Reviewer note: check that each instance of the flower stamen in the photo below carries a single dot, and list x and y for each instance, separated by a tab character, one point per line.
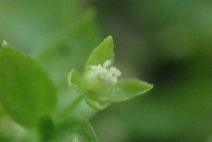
106	72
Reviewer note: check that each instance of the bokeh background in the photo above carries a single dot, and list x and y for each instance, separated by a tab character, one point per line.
165	42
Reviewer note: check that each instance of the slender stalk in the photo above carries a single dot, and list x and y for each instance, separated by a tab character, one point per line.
69	109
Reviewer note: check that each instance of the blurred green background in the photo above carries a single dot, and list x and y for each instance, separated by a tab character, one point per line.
165	42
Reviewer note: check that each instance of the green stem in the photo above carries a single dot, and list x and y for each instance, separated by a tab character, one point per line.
69	109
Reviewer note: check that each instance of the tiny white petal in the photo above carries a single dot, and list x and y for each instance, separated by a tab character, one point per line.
95	70
115	71
107	63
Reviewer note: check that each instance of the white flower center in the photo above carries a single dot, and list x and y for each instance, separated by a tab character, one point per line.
106	72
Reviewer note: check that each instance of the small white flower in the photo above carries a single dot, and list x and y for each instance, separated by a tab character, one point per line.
106	72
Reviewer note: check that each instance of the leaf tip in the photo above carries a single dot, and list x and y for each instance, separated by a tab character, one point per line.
150	86
109	39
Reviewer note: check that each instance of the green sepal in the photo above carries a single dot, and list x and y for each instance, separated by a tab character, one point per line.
128	88
102	53
75	80
98	105
75	130
26	92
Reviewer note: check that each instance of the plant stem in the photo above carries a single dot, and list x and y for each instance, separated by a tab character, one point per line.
69	109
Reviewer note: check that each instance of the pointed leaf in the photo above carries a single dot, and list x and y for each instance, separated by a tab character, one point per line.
75	130
128	88
102	53
75	80
26	92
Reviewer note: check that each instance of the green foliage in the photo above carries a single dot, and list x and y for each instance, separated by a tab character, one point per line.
46	128
26	93
75	129
28	96
102	53
164	42
128	88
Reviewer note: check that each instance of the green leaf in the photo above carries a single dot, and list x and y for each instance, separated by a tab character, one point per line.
4	138
75	80
46	128
75	130
26	92
128	88
102	53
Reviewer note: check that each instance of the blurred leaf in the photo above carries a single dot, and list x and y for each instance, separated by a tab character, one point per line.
1	111
34	21
4	139
68	50
26	92
102	53
46	128
128	88
75	130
